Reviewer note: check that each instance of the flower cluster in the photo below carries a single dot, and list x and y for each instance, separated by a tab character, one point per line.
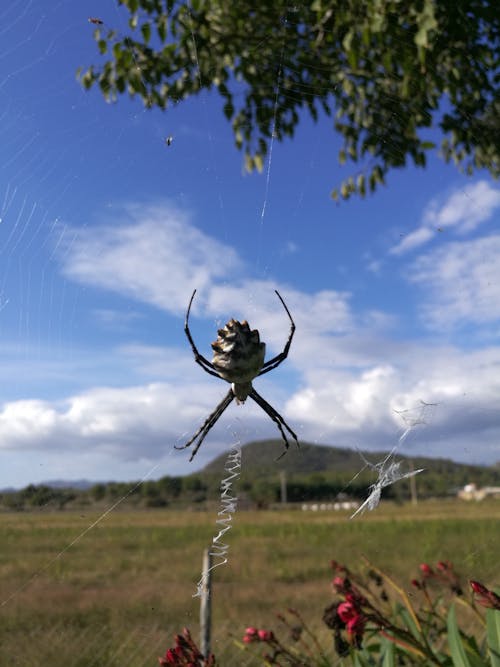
185	653
370	613
304	650
442	574
349	617
254	635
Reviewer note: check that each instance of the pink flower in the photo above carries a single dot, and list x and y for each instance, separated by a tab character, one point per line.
251	631
356	625
346	611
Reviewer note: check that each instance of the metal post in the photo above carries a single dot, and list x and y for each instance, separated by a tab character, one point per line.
205	604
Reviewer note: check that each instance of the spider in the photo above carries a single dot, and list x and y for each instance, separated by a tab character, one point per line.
239	358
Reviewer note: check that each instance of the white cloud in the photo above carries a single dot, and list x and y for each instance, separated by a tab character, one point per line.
461	282
154	254
367	407
462	211
447	397
130	421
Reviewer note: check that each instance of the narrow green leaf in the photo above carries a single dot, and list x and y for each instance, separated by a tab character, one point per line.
146	32
249	163
493	635
162	28
258	162
389	653
457	650
228	110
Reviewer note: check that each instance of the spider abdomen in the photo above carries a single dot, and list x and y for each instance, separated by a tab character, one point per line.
238	353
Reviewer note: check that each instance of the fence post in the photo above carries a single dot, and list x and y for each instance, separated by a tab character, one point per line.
205	603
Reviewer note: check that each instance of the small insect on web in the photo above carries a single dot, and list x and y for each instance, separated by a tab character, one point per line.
238	359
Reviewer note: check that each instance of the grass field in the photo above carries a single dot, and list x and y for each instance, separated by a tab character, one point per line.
118	594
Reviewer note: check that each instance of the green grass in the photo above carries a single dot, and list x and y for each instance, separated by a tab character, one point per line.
118	594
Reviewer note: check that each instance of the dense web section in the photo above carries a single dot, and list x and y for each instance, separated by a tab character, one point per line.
96	270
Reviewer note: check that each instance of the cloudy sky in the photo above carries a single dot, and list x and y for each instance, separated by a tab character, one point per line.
105	231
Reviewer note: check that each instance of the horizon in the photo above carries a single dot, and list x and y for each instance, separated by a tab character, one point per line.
84	483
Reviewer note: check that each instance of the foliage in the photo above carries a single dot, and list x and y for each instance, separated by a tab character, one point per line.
385	70
376	623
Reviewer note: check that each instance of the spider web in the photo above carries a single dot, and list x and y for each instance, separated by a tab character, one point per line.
105	229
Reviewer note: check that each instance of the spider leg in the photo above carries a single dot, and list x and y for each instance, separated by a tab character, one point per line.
200	434
276	361
277	419
199	358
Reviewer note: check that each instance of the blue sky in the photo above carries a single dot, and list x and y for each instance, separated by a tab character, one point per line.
105	232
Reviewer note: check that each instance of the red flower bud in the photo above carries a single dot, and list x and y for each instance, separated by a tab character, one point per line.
478	588
426	570
484	596
444	565
339	584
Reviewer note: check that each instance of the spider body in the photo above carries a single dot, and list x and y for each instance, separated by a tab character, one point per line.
238	358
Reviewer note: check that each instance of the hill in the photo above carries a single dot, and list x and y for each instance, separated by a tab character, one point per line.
259	460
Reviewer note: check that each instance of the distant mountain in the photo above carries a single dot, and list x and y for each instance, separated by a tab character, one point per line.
259	459
81	484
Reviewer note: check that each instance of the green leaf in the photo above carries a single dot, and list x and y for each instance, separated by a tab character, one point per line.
146	32
228	110
493	635
389	653
162	28
361	184
258	162
457	650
